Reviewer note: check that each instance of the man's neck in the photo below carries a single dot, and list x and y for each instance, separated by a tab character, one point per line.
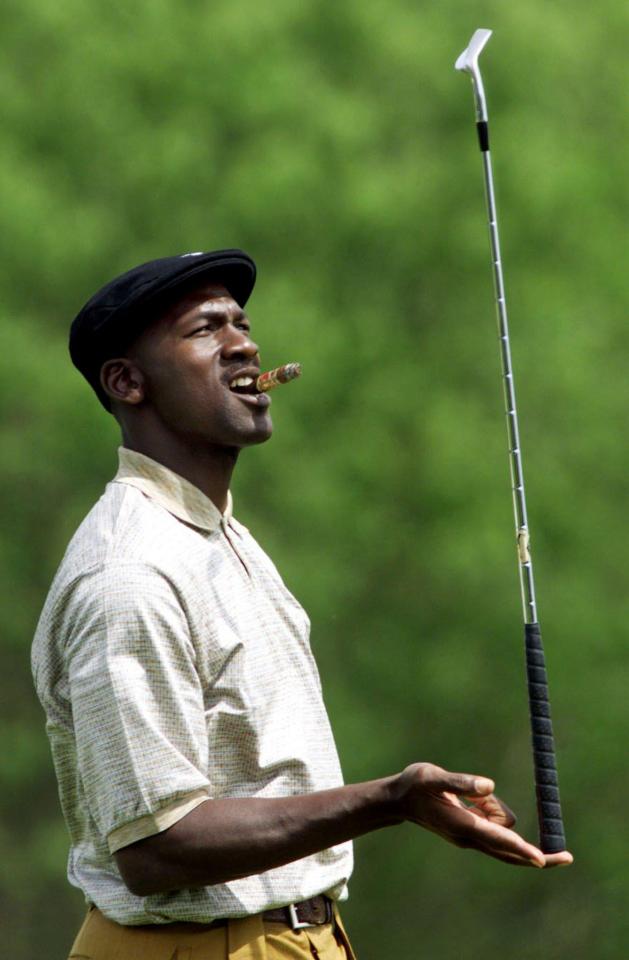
209	468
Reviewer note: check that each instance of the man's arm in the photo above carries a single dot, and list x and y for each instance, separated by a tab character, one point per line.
222	840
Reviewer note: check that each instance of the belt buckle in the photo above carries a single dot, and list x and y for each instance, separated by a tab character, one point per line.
295	922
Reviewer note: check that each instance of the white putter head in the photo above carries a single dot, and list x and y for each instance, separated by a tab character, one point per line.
468	61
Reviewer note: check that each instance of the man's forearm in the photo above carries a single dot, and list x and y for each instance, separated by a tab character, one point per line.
222	840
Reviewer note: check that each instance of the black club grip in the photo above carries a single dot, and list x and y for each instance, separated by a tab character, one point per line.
551	833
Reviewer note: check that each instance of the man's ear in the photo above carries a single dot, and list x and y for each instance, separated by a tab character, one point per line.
122	380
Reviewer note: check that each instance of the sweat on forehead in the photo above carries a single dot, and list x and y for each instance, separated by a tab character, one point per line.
209	296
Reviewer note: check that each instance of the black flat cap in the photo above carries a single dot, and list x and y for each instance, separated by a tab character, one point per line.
119	311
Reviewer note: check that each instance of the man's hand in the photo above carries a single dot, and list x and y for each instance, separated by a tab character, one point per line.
433	798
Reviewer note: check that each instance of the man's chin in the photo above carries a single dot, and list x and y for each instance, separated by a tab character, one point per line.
256	433
238	434
261	435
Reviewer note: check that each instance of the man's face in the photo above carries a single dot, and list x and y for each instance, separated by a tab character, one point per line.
189	357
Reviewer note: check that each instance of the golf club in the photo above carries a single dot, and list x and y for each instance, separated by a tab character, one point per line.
551	829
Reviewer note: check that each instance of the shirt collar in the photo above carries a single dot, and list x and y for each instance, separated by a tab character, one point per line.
175	493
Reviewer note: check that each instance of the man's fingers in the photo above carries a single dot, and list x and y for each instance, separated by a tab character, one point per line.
494	809
492	836
462	784
467	829
563	859
511	858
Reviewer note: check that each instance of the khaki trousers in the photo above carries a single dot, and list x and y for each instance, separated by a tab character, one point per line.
247	938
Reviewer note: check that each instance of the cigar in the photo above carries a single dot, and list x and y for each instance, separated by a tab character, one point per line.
272	378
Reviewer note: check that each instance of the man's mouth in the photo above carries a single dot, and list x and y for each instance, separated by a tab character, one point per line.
244	386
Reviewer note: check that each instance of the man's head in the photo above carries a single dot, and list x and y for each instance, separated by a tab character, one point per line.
161	345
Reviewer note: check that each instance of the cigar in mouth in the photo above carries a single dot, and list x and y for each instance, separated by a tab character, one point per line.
273	378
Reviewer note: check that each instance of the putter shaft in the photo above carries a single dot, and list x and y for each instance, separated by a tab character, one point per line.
468	62
525	563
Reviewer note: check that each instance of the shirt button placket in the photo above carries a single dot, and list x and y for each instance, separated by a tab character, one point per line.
234	548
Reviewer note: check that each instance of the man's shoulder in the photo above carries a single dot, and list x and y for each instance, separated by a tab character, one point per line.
124	529
126	548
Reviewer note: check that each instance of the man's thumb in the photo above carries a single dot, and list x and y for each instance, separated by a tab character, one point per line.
465	784
483	786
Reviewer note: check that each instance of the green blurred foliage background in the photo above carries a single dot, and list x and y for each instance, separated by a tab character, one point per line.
335	142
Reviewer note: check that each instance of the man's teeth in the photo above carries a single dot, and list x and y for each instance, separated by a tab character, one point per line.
241	382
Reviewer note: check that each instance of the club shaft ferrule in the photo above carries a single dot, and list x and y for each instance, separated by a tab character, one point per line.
482	128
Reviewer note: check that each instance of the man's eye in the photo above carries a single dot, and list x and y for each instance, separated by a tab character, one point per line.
210	325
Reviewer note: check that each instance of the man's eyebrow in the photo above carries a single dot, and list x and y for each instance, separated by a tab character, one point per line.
218	306
212	308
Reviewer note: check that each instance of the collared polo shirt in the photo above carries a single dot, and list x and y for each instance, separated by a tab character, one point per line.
174	666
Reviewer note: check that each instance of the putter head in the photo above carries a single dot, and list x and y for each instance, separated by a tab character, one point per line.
468	62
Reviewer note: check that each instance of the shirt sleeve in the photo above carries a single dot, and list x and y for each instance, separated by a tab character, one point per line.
137	702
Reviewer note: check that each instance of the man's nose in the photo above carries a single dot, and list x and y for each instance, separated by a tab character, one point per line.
239	343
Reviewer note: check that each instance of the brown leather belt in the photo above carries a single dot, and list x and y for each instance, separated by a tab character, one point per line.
308	913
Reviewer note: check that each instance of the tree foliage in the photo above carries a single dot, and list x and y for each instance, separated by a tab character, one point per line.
335	142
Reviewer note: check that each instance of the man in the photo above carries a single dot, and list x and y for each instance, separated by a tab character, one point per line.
197	770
